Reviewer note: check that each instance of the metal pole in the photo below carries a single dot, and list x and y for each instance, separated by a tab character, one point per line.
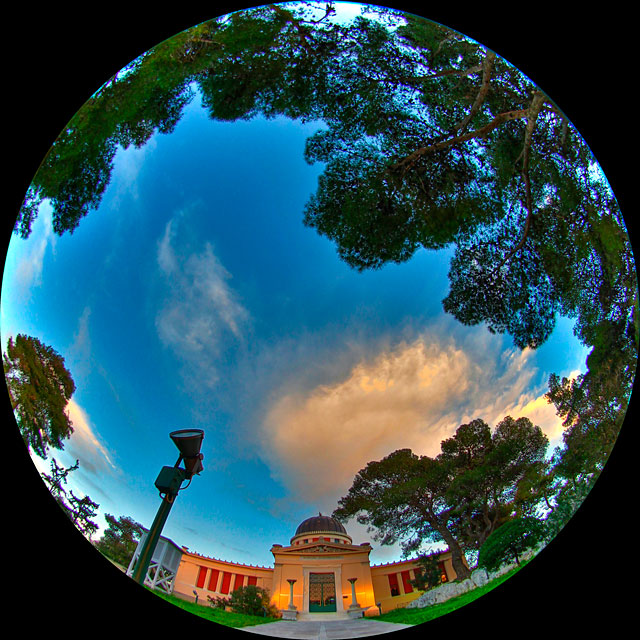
144	559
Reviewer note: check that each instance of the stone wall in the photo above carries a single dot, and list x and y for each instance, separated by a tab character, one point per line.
478	578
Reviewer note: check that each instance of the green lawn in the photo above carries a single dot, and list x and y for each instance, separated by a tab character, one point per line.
404	616
418	616
215	615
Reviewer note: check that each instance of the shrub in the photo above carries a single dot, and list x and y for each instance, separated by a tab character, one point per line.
219	603
431	574
507	543
252	600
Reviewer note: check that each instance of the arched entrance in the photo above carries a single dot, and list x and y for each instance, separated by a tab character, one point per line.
322	592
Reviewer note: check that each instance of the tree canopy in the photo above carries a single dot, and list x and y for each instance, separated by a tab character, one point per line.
460	497
510	542
120	538
427	140
78	510
40	388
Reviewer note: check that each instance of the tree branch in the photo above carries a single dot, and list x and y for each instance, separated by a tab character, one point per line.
532	114
482	132
487	70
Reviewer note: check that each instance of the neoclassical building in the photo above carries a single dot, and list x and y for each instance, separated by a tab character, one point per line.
320	571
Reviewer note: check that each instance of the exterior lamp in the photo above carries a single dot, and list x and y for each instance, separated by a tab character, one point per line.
189	442
168	483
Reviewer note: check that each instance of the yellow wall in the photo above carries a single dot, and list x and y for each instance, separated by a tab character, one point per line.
372	584
380	578
187	577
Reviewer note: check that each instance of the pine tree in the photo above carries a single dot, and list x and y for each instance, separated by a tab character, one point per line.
40	388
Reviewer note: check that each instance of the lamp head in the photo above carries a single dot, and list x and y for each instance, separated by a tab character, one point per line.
189	442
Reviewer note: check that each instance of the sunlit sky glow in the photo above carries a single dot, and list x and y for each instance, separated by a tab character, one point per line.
194	297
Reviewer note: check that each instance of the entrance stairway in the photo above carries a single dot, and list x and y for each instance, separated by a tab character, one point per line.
322	617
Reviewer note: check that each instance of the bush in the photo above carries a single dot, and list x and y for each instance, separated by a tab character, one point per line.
252	600
219	603
507	543
431	574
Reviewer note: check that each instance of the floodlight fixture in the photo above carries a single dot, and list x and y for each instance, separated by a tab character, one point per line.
168	482
188	441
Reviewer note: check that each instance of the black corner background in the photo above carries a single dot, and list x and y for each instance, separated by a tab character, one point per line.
57	58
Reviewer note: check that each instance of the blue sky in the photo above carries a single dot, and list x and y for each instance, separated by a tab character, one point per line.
194	297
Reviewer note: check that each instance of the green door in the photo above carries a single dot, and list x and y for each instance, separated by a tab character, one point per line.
322	592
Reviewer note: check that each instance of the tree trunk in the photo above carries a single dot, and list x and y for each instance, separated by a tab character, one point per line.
457	556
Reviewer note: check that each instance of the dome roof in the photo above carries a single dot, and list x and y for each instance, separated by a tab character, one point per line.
320	524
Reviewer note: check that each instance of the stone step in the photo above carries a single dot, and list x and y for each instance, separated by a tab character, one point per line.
322	617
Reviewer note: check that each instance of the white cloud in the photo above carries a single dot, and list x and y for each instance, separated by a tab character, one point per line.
200	309
84	444
412	396
80	350
127	166
28	269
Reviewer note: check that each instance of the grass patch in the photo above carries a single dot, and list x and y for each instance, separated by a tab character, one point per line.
220	616
418	616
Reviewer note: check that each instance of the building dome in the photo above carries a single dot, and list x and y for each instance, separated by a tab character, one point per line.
321	529
320	524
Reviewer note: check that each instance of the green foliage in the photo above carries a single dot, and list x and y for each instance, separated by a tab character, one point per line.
251	600
566	503
428	141
78	510
507	543
460	497
40	388
120	539
214	614
218	602
430	575
419	615
593	414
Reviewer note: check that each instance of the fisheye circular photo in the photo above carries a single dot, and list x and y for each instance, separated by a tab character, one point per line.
319	320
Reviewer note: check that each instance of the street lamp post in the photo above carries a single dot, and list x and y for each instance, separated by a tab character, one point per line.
168	483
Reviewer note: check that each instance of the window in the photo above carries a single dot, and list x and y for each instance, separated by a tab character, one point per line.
393	584
226	582
213	580
202	574
405	582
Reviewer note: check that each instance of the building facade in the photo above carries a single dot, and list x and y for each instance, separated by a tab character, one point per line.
320	571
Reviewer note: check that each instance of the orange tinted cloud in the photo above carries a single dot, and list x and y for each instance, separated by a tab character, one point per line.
412	396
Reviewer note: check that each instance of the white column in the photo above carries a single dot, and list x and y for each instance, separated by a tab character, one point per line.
291	583
354	602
